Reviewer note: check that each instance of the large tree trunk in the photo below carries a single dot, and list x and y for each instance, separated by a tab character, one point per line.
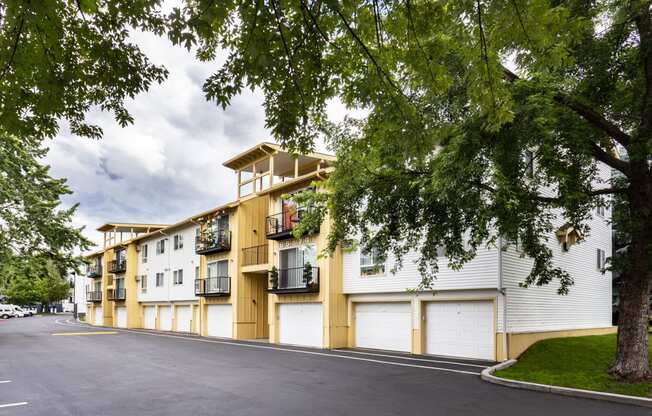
631	361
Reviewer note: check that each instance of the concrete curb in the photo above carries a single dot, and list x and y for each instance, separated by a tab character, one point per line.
488	376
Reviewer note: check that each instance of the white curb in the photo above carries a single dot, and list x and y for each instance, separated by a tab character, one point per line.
488	375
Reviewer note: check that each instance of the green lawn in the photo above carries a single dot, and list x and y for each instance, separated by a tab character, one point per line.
580	362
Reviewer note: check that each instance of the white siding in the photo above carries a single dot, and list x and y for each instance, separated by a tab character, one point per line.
479	273
588	305
167	263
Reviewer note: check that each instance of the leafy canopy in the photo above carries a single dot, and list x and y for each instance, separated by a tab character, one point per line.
439	158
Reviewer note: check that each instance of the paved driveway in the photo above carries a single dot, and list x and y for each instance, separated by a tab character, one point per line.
147	373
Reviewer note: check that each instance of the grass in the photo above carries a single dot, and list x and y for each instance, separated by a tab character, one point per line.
579	362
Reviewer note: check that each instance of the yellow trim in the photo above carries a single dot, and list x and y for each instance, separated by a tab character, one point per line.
519	342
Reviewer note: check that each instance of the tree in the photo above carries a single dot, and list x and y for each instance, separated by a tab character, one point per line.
458	93
58	60
33	279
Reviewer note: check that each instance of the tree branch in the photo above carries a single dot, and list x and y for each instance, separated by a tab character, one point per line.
594	118
608	159
19	32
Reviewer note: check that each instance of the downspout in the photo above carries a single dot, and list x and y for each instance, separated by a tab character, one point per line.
503	291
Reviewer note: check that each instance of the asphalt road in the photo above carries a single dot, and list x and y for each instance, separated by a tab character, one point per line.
148	373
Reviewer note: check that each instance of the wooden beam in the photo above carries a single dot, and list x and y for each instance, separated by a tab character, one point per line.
296	167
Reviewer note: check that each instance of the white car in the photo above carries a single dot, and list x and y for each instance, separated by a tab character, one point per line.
18	311
6	311
29	310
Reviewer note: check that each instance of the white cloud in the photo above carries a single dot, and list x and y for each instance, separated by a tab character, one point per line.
168	164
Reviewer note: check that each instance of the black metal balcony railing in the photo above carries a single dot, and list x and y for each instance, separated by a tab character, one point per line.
94	270
280	226
254	255
213	242
295	280
117	294
213	286
94	296
118	266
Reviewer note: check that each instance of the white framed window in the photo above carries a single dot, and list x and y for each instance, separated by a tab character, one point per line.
159	279
370	264
217	269
160	246
601	211
177	277
143	252
600	259
178	242
143	283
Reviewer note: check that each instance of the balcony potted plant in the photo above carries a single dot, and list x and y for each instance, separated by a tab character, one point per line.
273	277
307	274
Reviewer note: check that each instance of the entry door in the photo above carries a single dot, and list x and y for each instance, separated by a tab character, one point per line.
460	329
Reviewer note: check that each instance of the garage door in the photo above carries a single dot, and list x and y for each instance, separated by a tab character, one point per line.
219	321
183	318
99	316
165	318
121	314
460	329
301	324
384	326
150	317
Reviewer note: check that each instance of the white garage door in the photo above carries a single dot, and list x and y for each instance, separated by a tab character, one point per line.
301	324
121	314
99	316
165	318
460	329
183	318
150	317
219	321
384	326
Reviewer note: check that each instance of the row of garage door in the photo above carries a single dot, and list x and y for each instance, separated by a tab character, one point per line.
460	329
218	319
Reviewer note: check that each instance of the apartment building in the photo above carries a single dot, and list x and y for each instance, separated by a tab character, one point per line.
236	271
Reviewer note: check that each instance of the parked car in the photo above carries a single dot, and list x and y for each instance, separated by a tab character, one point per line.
6	311
29	310
18	311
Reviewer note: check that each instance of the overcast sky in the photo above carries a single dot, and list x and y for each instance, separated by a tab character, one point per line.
168	164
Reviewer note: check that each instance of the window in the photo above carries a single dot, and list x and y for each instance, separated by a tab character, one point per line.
600	259
159	279
528	161
160	246
601	211
196	272
143	283
298	257
370	263
178	242
143	252
177	277
217	269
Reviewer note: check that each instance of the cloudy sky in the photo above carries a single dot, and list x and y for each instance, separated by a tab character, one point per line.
168	165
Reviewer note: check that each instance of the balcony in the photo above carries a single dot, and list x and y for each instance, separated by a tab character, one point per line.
255	255
118	266
209	242
94	270
295	280
117	294
213	286
95	296
281	225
